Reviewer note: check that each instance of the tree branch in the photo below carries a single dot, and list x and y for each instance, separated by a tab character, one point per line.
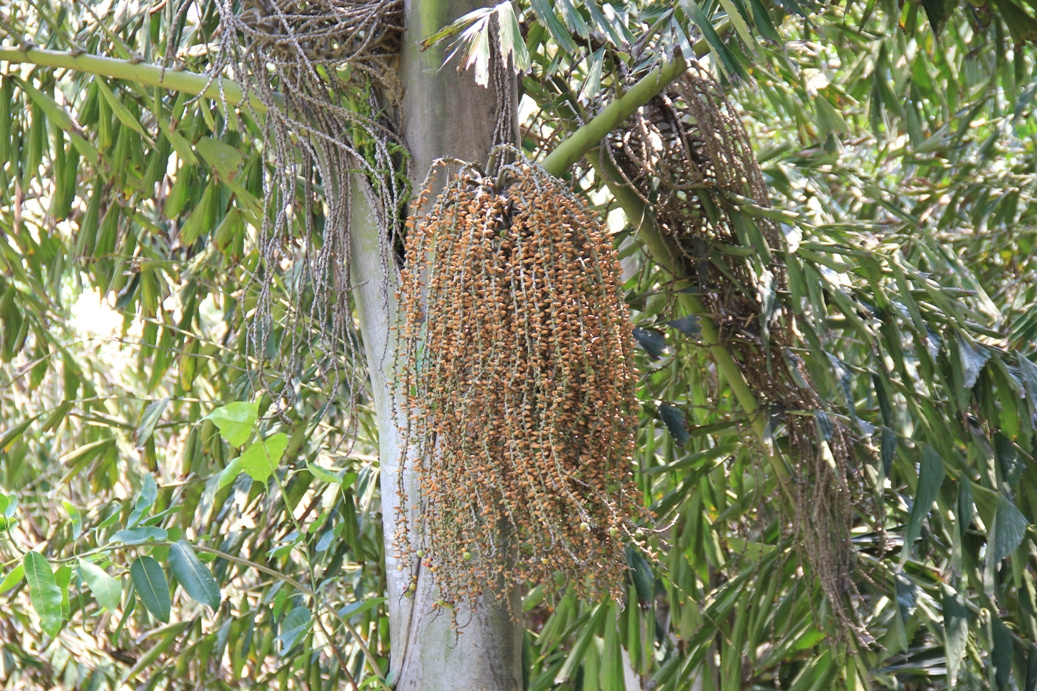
570	150
137	72
573	147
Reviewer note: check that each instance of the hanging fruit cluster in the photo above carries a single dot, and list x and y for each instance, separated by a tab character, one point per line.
518	378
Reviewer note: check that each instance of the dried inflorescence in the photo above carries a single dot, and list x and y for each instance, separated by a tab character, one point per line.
688	156
518	379
324	72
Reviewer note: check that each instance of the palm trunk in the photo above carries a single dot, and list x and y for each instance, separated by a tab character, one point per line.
443	115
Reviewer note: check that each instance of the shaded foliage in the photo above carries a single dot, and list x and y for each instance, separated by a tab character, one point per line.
899	164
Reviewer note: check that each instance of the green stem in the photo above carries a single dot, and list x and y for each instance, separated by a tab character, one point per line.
665	255
577	144
137	72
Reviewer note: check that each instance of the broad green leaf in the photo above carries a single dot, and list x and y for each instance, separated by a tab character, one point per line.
675	422
360	606
203	216
689	325
145	500
907	596
149	419
228	238
973	358
1001	654
573	20
54	112
579	649
477	55
736	19
323	474
716	43
60	414
63	577
44	592
12	434
546	14
135	536
1020	24
231	472
1009	528
224	158
644	579
84	454
457	26
13	578
261	459
85	148
888	448
151	586
828	118
235	421
121	111
937	11
76	517
510	36
170	634
763	21
956	631
930	477
195	577
824	424
592	84
295	624
106	589
1028	373
179	196
653	341
1007	459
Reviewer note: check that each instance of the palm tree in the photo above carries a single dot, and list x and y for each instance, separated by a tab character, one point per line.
823	218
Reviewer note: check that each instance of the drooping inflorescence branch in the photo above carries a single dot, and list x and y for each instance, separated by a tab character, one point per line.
687	159
324	72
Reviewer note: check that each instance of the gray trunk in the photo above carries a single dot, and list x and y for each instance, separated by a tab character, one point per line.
444	115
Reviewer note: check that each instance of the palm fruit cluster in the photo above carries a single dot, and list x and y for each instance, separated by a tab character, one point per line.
518	380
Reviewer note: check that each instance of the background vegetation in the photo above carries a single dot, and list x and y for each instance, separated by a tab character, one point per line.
162	525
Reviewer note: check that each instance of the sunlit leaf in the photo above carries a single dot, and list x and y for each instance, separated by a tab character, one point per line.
261	460
44	592
106	589
235	421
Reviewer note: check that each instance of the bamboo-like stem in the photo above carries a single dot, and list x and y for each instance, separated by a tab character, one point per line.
577	144
136	72
570	150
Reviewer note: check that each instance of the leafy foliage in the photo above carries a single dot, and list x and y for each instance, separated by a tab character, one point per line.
897	146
